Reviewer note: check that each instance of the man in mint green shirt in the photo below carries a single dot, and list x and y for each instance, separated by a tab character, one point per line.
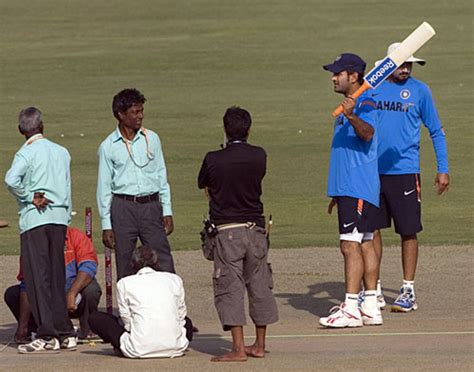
133	194
40	180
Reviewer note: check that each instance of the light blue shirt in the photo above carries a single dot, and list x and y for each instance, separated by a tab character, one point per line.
139	170
41	166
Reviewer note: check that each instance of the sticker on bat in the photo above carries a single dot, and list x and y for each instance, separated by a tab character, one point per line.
380	72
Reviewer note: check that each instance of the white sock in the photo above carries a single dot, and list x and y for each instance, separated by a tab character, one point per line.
351	301
409	284
379	287
370	301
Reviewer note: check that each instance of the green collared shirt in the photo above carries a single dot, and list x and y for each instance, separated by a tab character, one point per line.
41	166
134	169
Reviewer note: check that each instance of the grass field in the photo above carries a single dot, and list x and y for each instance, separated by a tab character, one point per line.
193	59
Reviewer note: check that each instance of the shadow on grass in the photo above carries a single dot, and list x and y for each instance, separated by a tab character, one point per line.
321	297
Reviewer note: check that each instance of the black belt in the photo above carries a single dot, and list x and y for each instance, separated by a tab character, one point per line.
139	199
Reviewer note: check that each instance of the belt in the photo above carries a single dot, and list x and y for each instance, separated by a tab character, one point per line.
249	225
139	199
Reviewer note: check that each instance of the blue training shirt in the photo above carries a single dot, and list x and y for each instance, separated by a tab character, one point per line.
402	108
353	166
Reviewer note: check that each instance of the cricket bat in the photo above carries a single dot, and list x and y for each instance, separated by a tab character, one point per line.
390	63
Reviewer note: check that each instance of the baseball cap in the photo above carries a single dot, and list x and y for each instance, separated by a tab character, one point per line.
346	62
394	46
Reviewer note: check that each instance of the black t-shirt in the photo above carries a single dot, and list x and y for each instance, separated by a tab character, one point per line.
233	177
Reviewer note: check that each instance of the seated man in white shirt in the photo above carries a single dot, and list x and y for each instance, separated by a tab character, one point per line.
152	310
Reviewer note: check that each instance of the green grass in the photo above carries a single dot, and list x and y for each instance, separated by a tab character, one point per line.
193	59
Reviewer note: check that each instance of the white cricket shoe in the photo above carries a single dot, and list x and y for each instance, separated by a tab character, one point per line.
40	346
371	316
69	343
381	301
341	317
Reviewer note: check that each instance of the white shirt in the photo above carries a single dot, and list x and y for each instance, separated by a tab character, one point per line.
151	305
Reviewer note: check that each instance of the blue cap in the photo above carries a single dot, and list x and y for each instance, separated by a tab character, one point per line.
346	62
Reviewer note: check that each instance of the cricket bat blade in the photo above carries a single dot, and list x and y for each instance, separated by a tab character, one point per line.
390	63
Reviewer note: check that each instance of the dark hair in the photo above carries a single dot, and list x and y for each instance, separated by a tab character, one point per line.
237	123
144	256
360	77
125	99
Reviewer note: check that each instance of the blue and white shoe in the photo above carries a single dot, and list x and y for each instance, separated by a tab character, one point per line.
405	302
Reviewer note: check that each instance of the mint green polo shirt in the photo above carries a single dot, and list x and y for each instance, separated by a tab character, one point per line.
137	169
41	166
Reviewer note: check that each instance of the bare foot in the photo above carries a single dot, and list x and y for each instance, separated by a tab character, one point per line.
254	351
233	356
22	340
21	336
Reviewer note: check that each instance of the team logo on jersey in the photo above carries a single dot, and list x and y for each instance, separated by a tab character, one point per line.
405	94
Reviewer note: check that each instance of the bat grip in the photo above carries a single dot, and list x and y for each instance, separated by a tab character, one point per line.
354	95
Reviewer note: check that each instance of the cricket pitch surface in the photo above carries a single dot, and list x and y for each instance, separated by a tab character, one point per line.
308	282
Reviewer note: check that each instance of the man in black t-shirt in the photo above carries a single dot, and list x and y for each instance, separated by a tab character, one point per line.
232	178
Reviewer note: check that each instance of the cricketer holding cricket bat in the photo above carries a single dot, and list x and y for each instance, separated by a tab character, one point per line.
353	186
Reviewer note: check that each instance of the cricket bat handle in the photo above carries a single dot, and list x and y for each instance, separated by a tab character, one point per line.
354	95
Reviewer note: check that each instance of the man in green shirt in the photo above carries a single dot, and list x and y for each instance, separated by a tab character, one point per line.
40	180
133	194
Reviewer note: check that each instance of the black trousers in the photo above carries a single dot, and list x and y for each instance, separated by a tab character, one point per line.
109	328
42	251
89	303
132	220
